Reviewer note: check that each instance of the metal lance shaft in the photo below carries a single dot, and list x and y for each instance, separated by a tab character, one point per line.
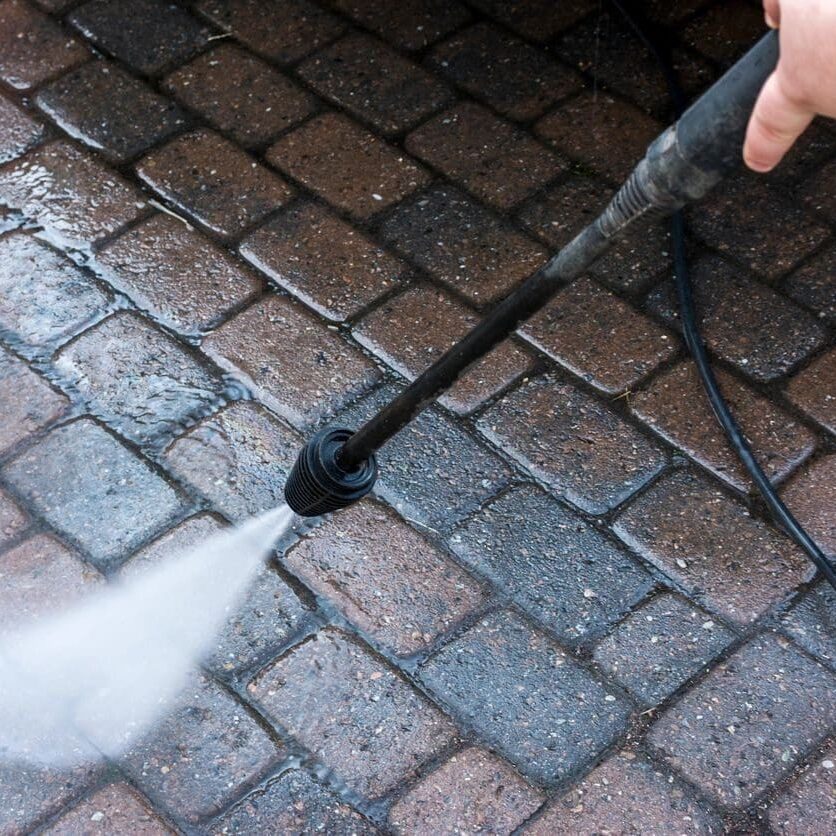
681	166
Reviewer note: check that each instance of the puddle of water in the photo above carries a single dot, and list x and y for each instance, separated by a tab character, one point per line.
94	679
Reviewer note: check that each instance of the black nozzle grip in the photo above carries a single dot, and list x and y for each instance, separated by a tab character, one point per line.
710	133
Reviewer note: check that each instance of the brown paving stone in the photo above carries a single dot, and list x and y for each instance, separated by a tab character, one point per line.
676	407
33	47
810	801
518	80
760	332
708	543
298	367
539	20
374	83
814	284
13	519
331	266
583	129
176	274
659	646
433	472
296	27
18	131
412	330
584	451
811	496
817	191
80	475
366	723
238	458
69	192
109	110
259	626
145	34
549	722
347	166
30	794
726	31
738	219
384	577
553	564
67	299
462	244
626	794
564	209
473	792
29	402
41	576
814	390
138	378
605	47
812	622
240	94
489	157
742	728
811	152
117	808
214	181
600	338
54	5
410	26
293	803
202	754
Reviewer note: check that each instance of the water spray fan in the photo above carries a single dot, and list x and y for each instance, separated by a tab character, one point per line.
337	466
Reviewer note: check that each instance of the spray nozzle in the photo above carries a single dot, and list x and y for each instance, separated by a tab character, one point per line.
319	484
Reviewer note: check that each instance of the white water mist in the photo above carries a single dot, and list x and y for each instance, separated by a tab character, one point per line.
93	679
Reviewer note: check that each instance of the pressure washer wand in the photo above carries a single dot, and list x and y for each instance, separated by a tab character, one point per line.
337	467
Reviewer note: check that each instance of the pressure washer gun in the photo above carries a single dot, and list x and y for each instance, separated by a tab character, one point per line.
337	466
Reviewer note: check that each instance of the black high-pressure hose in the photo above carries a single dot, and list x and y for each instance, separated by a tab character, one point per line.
337	467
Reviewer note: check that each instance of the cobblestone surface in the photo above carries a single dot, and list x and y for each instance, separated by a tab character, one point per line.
225	223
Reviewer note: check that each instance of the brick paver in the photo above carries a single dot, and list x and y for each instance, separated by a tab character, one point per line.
365	721
333	267
117	808
68	299
299	368
215	182
710	544
240	94
473	792
33	47
177	275
145	34
551	563
741	729
385	578
207	750
478	676
562	610
29	402
488	156
582	449
659	646
625	794
18	131
109	110
138	378
293	803
80	475
69	192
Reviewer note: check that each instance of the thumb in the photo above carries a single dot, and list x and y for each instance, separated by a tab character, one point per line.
776	122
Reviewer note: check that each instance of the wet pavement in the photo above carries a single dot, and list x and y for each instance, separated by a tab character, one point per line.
225	223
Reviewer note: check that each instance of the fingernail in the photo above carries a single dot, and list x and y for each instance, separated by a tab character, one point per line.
770	21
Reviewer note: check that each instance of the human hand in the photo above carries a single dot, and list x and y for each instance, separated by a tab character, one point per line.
803	84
